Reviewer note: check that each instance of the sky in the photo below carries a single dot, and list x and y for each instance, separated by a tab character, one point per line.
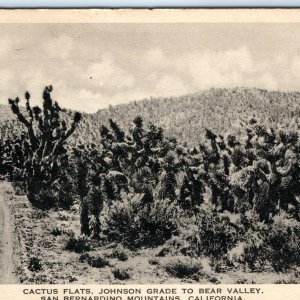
92	66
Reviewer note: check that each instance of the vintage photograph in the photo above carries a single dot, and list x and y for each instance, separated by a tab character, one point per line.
150	153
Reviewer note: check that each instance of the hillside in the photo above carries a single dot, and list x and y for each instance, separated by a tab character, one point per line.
187	116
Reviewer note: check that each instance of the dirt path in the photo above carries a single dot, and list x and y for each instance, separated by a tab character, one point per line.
6	244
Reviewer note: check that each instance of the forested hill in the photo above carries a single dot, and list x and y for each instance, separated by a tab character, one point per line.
185	117
8	122
221	110
5	113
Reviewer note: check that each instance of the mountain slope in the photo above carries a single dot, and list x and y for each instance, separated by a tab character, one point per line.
221	110
187	116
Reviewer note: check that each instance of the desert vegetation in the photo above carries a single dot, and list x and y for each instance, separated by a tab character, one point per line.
215	194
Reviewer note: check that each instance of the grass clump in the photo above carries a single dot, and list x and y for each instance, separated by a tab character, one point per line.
56	231
183	267
62	216
121	273
97	261
120	253
153	261
77	244
34	264
135	225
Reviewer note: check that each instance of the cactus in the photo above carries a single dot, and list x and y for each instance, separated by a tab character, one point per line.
44	150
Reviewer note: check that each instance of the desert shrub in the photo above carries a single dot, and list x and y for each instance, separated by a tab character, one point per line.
40	279
135	225
242	281
38	194
212	235
71	279
286	281
19	188
77	244
97	261
276	244
250	222
217	235
62	216
153	261
84	257
253	252
182	243
253	249
56	231
214	279
120	253
34	264
282	243
183	267
177	245
121	273
39	214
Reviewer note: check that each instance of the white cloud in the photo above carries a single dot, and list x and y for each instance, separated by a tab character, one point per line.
170	85
82	99
108	74
155	56
267	81
202	70
220	68
239	60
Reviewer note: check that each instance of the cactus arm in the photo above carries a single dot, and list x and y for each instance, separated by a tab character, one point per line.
29	110
15	109
59	143
69	132
76	120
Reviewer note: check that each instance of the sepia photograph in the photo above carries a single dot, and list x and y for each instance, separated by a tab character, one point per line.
140	152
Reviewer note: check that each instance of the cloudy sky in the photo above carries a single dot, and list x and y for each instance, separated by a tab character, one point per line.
94	65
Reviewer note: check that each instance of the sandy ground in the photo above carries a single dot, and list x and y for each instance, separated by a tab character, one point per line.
6	243
33	235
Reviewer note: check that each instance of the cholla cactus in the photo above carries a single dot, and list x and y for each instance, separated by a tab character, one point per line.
138	131
95	200
144	183
45	155
167	180
81	184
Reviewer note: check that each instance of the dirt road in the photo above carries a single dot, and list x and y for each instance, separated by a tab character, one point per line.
6	243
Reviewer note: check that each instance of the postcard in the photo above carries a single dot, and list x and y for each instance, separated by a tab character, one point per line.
150	154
